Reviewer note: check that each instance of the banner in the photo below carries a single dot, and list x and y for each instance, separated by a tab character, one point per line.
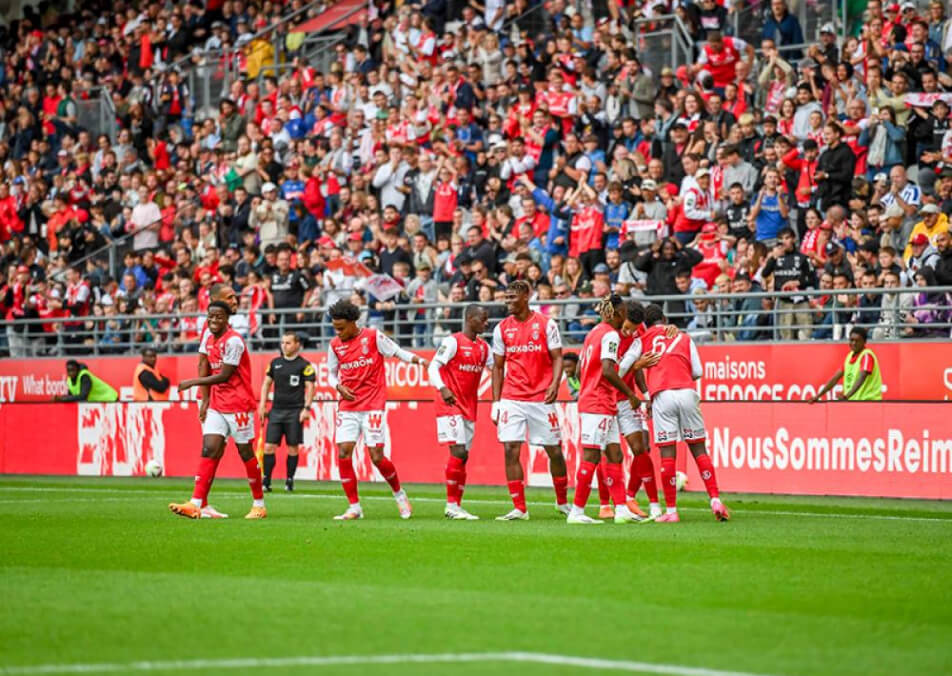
900	450
912	371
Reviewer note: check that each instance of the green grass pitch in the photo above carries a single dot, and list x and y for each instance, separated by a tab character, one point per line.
98	572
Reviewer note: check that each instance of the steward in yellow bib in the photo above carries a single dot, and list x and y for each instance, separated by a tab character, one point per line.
84	386
860	373
148	384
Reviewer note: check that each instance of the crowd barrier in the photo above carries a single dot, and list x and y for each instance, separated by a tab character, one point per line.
889	449
919	371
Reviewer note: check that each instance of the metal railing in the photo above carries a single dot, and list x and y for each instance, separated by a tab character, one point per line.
662	41
818	315
97	114
530	25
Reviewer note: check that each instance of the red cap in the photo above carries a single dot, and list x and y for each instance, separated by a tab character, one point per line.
326	242
894	7
672	189
826	225
920	239
708	228
23	268
356	237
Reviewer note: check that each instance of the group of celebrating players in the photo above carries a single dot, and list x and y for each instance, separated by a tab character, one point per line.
630	350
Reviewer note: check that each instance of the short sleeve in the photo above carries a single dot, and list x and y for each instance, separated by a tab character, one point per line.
866	364
203	342
631	356
234	348
609	347
270	371
446	351
552	336
309	374
498	346
385	345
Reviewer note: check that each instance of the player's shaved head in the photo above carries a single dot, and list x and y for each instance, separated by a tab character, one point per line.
653	315
224	293
474	310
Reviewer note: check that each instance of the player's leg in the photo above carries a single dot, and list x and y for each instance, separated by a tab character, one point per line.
373	429
293	437
214	433
664	415
544	430
247	453
346	434
591	455
642	474
692	425
511	431
631	424
605	510
615	478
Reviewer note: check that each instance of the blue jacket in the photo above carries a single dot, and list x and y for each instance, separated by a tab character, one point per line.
785	32
894	145
559	222
615	215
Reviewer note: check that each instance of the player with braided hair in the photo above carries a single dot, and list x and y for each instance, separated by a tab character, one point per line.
598	410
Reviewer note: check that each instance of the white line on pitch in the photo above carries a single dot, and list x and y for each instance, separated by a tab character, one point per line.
477	501
319	661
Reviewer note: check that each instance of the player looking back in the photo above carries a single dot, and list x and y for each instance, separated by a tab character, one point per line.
598	409
455	372
293	378
527	369
355	366
226	409
675	408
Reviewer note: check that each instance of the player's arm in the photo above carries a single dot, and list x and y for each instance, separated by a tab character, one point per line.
498	371
217	379
263	401
204	369
443	355
554	341
310	387
697	368
333	367
634	359
388	348
866	367
830	384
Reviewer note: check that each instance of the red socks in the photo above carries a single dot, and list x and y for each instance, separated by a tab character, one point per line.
583	483
254	477
669	483
644	467
615	479
518	494
389	473
706	468
634	480
603	495
561	486
348	479
455	477
204	478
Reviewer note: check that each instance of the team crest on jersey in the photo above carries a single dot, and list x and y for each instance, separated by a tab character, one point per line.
510	334
364	347
535	332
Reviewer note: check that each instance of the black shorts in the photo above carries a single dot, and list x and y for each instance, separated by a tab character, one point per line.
284	423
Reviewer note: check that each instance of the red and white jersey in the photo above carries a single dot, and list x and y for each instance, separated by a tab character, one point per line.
78	294
723	65
234	395
358	365
624	345
586	231
525	347
596	394
458	365
680	363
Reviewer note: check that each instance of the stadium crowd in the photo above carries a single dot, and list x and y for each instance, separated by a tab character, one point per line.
454	152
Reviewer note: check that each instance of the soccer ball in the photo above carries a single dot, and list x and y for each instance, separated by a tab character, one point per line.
680	480
153	468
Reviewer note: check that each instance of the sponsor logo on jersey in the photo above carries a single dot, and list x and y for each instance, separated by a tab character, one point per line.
471	368
357	363
553	420
241	419
531	347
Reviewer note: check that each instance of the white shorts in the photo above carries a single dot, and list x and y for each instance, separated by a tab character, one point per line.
352	424
455	430
676	415
238	426
535	419
630	420
598	430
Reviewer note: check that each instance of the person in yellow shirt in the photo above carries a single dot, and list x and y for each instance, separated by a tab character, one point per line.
933	222
862	380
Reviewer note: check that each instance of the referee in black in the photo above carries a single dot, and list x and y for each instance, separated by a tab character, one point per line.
293	378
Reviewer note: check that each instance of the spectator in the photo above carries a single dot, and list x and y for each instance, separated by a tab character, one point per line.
835	168
783	28
792	272
662	262
270	216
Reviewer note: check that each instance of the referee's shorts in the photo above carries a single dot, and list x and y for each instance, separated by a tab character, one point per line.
284	422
